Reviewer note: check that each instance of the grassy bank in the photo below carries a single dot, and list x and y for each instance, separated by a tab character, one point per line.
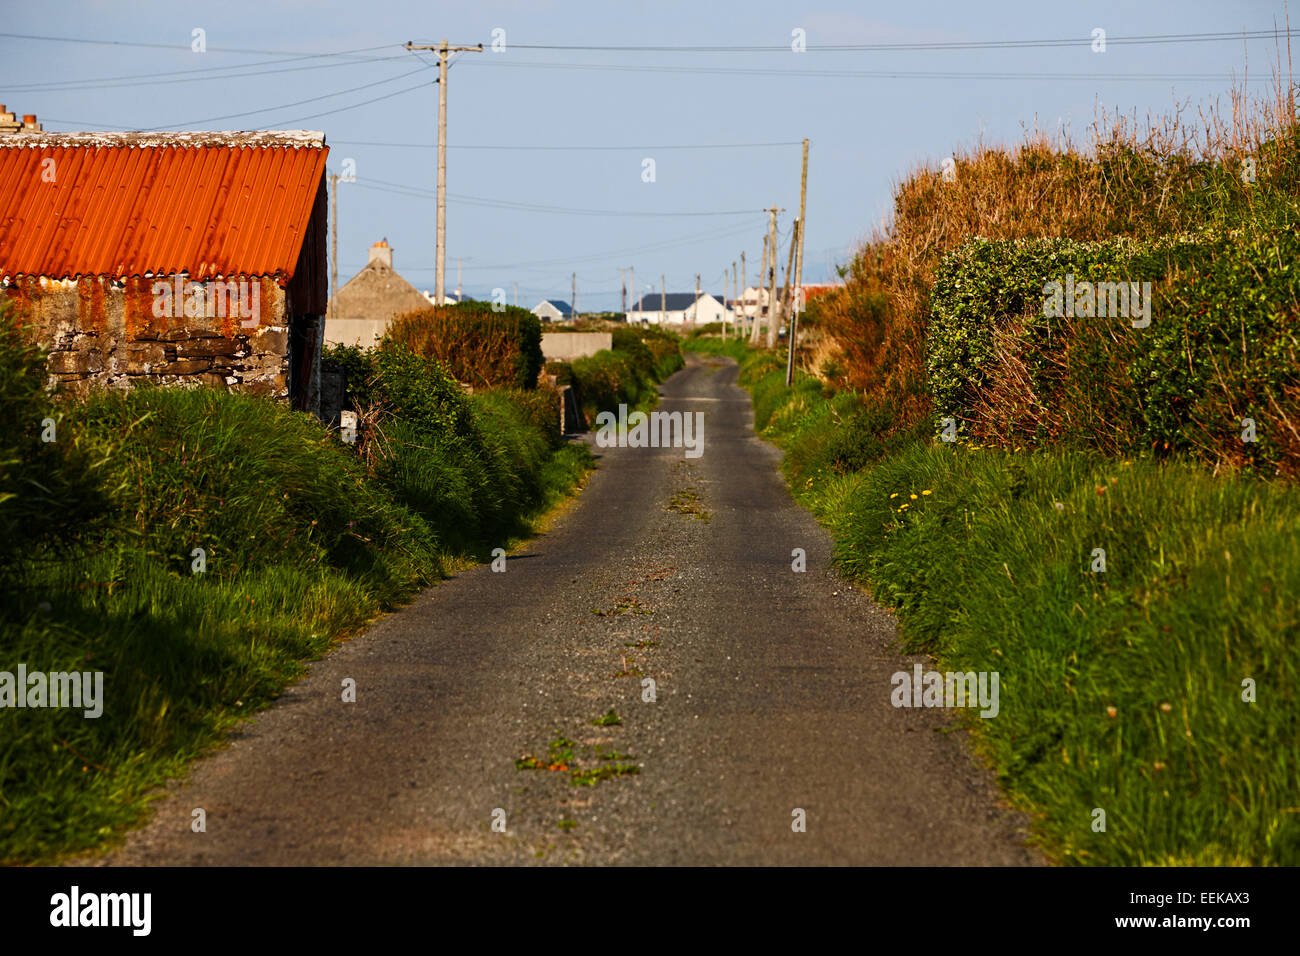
303	540
1124	689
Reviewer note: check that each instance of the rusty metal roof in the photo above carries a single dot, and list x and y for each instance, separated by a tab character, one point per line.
131	204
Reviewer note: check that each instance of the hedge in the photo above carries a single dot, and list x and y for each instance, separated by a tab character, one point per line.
477	344
1221	348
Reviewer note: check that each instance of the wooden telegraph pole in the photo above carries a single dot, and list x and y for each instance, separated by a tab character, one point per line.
758	304
798	268
789	270
773	311
744	283
726	284
440	238
663	300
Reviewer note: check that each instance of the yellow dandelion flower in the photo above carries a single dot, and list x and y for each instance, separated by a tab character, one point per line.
914	497
926	492
894	495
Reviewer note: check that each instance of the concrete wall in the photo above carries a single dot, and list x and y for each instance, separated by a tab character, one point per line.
567	346
363	332
102	331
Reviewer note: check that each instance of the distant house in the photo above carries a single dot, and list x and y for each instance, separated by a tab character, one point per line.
360	312
168	257
753	300
553	310
678	308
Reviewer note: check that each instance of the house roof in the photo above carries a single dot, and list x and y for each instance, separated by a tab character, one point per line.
376	292
563	307
130	204
674	301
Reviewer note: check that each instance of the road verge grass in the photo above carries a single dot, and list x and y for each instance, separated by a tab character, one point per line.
1161	690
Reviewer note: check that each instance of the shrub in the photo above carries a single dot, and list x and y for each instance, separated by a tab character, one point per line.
475	343
1222	346
358	371
50	491
421	391
627	373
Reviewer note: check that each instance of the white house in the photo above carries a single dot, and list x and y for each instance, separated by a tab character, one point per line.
678	308
553	310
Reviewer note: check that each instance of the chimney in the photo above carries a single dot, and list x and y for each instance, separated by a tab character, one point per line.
382	253
8	122
29	123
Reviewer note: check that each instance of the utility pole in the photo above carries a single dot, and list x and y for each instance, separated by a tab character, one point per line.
695	309
573	306
773	312
458	261
663	300
623	275
632	269
744	281
798	268
726	284
758	305
789	268
440	239
334	243
735	297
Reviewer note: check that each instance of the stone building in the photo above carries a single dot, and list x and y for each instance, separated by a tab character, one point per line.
170	257
359	312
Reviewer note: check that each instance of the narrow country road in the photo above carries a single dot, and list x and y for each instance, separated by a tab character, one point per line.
772	694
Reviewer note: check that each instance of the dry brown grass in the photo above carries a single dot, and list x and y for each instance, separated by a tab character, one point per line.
1132	179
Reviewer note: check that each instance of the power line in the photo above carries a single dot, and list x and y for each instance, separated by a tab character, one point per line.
182	47
98	125
271	109
357	142
865	74
1146	39
540	264
403	189
169	77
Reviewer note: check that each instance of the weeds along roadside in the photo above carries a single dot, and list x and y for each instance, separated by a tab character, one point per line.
301	539
1120	690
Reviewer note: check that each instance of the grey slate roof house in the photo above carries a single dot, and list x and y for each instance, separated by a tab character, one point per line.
676	308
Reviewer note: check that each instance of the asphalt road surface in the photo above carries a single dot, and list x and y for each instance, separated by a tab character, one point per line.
771	696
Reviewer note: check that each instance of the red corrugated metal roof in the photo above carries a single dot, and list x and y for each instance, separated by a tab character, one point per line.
120	205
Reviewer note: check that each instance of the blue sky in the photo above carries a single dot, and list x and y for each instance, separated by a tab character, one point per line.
867	127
